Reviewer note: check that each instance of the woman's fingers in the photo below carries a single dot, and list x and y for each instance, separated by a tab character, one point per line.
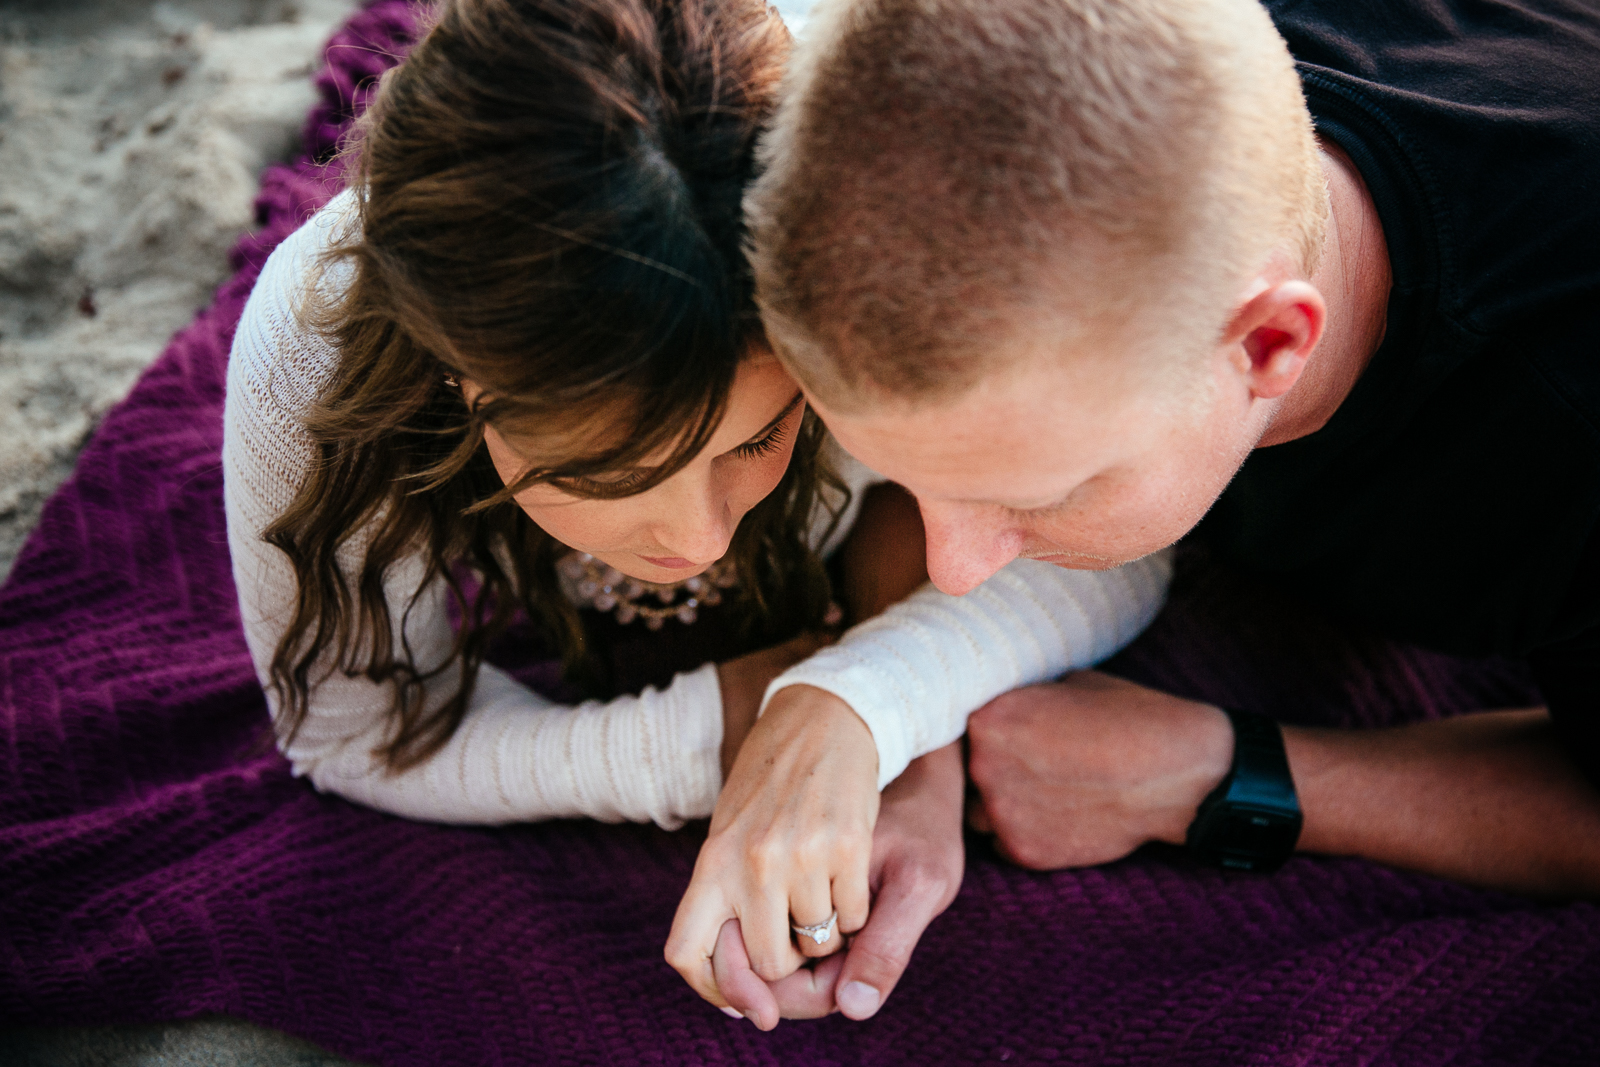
767	937
793	825
811	906
692	942
852	894
746	993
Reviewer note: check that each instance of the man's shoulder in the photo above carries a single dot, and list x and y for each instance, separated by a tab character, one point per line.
1444	41
1478	125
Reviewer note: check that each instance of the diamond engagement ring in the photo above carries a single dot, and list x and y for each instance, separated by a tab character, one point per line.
819	932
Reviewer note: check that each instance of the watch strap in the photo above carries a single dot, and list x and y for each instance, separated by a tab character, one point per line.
1251	821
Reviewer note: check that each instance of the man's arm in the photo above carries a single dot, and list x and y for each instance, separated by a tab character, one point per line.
1488	799
1086	770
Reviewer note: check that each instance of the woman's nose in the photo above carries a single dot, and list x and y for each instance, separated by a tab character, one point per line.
697	520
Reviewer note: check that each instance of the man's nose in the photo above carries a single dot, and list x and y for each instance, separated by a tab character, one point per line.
966	544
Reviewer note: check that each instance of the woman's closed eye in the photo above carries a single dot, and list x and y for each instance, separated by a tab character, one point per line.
625	482
769	444
773	434
620	485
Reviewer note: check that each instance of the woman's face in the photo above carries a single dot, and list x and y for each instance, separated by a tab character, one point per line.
680	527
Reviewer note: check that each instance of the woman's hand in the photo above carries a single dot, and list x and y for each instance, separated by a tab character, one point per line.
917	862
744	682
790	842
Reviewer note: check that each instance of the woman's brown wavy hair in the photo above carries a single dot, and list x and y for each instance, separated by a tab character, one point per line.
549	204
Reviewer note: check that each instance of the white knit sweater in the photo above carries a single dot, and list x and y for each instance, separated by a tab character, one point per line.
913	674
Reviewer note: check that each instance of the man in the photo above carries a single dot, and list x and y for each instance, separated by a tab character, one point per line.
1317	282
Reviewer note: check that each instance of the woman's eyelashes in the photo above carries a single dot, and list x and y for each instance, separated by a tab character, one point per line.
769	444
602	488
625	483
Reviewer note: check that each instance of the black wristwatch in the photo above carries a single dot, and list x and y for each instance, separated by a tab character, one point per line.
1251	820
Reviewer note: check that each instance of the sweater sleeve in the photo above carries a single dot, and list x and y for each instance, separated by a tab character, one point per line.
915	672
516	756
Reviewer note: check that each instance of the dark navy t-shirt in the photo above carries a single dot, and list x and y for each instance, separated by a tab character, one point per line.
1453	500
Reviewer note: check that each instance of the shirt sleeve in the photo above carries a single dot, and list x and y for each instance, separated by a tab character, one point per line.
915	672
516	756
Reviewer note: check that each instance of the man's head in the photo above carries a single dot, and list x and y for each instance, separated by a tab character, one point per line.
1042	261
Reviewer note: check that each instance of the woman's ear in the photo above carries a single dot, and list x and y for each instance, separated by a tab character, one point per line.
1273	334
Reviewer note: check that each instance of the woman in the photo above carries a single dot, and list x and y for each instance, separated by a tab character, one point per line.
518	368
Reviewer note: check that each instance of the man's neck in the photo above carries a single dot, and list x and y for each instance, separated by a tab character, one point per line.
1354	279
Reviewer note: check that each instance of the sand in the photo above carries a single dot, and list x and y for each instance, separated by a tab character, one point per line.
132	136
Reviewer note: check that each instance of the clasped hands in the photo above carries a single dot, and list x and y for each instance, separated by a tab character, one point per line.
1071	773
799	832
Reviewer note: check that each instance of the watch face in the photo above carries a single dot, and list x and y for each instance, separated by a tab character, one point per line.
1252	839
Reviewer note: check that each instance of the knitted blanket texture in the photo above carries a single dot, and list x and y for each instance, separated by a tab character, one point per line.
158	861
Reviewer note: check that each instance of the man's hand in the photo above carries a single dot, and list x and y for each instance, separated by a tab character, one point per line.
790	841
1086	770
917	863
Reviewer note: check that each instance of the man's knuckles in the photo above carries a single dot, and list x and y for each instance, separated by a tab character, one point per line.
990	762
920	886
1015	836
1023	708
1006	731
1025	851
990	724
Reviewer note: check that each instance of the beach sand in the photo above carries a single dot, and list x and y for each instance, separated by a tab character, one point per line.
132	137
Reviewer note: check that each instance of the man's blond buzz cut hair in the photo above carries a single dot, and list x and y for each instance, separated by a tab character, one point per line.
939	170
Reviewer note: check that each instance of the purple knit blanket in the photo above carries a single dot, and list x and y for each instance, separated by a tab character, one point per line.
157	861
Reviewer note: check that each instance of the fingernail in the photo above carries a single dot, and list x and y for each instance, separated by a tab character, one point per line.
730	1012
859	1000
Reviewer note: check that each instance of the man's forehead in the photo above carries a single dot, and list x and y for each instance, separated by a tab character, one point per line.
1020	446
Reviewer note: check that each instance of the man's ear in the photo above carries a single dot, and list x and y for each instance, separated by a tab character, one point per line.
1273	333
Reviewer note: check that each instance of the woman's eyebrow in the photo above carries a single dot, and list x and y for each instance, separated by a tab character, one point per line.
779	417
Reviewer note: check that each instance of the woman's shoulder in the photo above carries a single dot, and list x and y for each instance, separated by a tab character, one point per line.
279	358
